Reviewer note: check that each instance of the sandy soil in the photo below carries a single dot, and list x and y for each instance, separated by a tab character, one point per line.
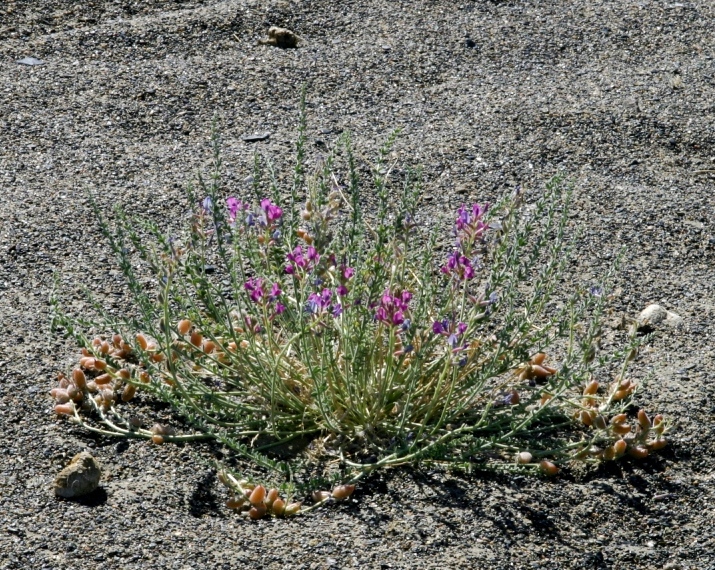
617	95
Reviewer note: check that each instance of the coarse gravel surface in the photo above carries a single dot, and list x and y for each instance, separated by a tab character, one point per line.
618	95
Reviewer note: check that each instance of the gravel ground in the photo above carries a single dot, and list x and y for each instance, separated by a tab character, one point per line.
617	95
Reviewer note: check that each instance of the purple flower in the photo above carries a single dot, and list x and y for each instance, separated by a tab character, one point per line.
392	308
342	290
313	254
469	224
233	206
271	212
275	291
348	272
254	286
207	205
438	327
280	308
319	302
454	331
459	266
337	310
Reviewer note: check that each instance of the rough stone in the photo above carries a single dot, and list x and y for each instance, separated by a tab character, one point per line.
80	477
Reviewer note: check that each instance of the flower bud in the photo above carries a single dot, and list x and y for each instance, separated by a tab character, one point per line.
342	492
184	326
524	457
79	379
548	468
257	495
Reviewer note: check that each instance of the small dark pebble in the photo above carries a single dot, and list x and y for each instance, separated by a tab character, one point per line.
470	43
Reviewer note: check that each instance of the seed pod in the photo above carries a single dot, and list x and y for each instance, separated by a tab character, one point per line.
128	392
60	395
86	352
658	444
320	496
184	326
639	452
538	358
235	502
644	420
621	429
157	439
92	386
196	338
257	511
74	393
271	497
96	342
103	380
585	418
548	468
87	362
209	346
104	347
342	492
619	395
657	420
292	509
66	409
116	340
79	379
619	418
144	377
524	457
142	341
625	384
609	454
157	357
257	495
620	447
540	371
278	507
100	364
124	374
591	388
599	422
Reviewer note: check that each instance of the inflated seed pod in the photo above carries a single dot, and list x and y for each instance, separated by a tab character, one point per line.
142	341
128	392
103	380
92	386
609	454
196	338
66	409
104	348
585	418
548	468
271	497
257	511
184	326
621	429
257	495
538	358
644	420
86	352
599	422
74	393
235	502
278	507
591	388
144	377
96	342
540	371
99	364
620	447
292	509
524	457
320	496
658	444
657	420
209	346
87	362
157	439
342	492
60	395
639	452
117	341
79	379
124	374
619	395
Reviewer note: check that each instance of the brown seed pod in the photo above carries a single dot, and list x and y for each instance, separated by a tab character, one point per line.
157	357
60	395
103	380
128	392
609	454
209	346
196	338
548	468
591	388
87	362
257	511
585	418
79	378
86	352
74	393
619	395
271	497
342	492
538	358
104	347
100	364
541	372
320	496
292	509
184	326
658	444
257	495
142	341
621	429
144	377
639	452
620	447
157	439
619	418
96	342
235	502
66	409
644	420
599	422
92	386
124	374
278	507
117	340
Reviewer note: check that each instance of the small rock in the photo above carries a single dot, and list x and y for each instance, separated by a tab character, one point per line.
80	477
655	314
280	37
470	43
256	137
30	61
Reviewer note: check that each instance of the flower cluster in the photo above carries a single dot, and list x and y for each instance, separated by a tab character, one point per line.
459	266
321	303
452	330
261	295
470	225
301	261
392	307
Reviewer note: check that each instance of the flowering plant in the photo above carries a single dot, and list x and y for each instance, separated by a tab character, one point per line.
323	342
